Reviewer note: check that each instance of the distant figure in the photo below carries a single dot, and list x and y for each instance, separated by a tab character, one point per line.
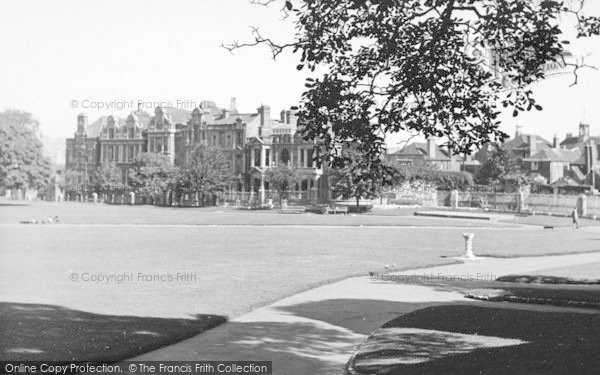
575	216
56	218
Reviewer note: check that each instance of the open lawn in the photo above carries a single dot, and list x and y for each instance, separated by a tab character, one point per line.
178	264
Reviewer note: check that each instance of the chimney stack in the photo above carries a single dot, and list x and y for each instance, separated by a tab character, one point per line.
555	141
265	115
82	123
591	155
233	105
431	146
584	132
532	144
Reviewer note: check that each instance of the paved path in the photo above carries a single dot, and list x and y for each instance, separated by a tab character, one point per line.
315	332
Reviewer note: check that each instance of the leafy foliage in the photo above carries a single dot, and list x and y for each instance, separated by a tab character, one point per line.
441	179
207	171
416	65
108	177
498	165
355	176
152	173
22	164
281	177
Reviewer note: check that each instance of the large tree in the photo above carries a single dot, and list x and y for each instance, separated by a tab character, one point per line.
108	177
384	66
356	177
152	173
22	164
208	172
497	165
281	177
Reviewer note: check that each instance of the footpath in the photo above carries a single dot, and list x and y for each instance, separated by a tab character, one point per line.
317	331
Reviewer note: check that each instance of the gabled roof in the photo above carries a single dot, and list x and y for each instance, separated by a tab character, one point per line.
178	115
521	141
232	118
554	154
574	142
420	149
94	129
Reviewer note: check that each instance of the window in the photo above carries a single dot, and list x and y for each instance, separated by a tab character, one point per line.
257	157
534	166
166	145
302	157
267	157
285	155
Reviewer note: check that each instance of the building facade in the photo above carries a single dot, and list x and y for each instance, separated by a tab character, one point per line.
254	142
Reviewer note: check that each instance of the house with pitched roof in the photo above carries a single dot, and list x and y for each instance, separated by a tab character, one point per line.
425	154
551	163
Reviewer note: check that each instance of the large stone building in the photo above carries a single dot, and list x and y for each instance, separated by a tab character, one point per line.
253	141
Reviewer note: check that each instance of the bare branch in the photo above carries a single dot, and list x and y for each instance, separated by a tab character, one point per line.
276	48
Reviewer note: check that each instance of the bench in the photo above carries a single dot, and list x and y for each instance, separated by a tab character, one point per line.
335	209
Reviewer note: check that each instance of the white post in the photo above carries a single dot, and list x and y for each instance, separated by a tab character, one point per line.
469	245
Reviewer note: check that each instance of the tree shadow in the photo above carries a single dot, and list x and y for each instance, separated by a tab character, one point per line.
54	333
464	338
294	347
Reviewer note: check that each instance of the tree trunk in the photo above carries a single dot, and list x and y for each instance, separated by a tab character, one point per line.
357	205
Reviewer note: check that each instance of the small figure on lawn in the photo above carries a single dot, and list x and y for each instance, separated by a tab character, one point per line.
575	217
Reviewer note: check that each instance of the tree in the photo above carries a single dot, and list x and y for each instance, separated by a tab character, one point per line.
499	164
22	164
441	68
208	171
108	177
152	173
281	177
355	176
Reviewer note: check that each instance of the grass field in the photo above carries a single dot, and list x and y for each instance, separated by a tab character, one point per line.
228	262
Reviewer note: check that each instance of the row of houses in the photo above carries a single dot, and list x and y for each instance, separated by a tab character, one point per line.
254	142
572	162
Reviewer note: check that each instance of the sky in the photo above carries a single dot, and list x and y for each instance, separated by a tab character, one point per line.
62	57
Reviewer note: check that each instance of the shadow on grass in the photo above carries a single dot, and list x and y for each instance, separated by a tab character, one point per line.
466	338
53	333
552	342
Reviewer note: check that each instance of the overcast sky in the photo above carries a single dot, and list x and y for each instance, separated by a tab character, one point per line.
56	53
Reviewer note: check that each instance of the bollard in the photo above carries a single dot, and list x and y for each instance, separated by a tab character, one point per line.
469	245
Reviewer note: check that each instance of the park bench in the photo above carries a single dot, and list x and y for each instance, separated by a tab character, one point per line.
338	209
